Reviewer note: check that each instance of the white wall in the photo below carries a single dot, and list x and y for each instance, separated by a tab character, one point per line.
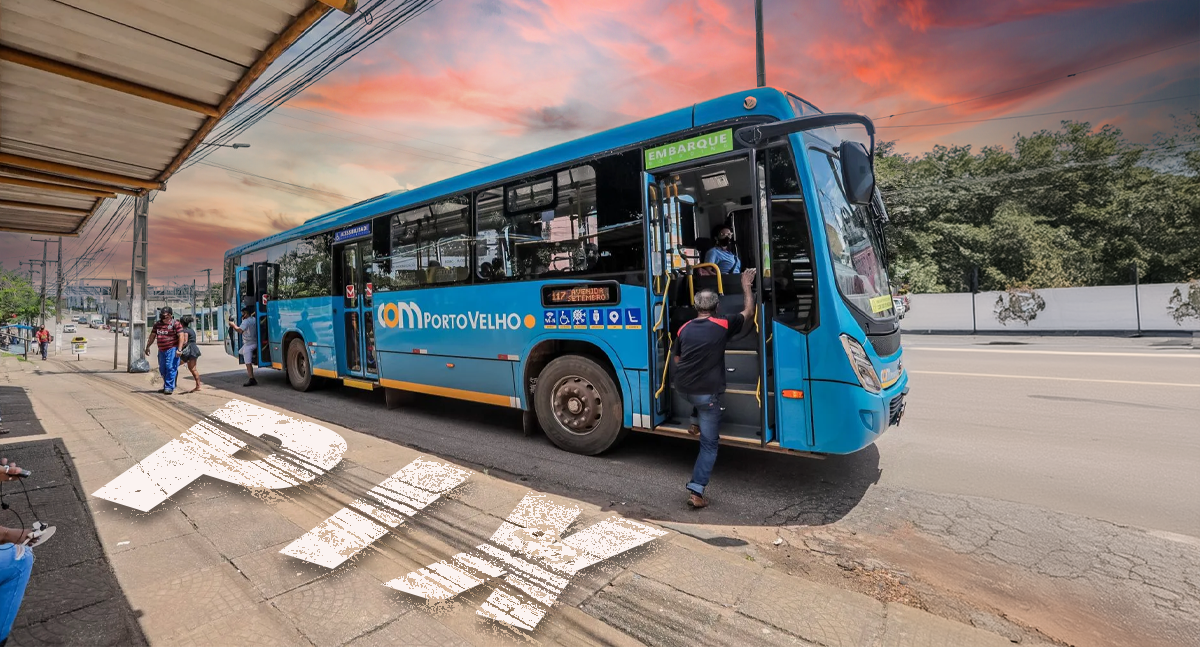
1104	308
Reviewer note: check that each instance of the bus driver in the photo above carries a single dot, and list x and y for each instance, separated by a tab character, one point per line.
722	252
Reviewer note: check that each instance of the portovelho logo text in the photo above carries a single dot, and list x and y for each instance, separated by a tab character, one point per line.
526	562
406	314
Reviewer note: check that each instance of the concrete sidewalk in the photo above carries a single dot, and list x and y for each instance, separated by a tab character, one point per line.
205	567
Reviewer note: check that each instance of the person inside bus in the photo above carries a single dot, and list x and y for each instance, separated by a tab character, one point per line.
699	374
722	254
249	329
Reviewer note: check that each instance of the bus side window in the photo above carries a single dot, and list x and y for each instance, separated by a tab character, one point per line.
584	220
491	252
431	245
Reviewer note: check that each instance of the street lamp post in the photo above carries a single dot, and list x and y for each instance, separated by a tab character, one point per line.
759	58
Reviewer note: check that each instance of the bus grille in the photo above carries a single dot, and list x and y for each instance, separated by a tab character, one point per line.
895	409
887	344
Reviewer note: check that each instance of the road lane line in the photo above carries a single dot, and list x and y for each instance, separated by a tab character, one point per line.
1047	352
1063	379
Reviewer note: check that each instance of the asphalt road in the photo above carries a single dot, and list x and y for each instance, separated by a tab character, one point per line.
1046	483
1100	427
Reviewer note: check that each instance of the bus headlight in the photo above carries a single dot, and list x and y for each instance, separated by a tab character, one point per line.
861	364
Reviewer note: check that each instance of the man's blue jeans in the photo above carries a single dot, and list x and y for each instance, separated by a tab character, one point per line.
14	576
708	410
44	347
168	367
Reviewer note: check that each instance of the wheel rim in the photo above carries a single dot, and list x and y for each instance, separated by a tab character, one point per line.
300	362
577	405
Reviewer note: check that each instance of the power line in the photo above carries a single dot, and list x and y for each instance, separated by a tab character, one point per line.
1034	85
1043	114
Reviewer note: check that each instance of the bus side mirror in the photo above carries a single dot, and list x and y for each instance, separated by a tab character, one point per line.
857	174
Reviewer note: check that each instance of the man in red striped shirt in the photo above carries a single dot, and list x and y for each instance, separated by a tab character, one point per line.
699	374
170	343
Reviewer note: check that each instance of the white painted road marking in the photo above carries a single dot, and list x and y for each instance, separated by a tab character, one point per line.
348	531
206	450
1064	379
527	553
1050	352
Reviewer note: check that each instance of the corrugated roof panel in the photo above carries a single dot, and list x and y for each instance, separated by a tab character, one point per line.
66	34
18	147
120	87
41	196
99	105
192	24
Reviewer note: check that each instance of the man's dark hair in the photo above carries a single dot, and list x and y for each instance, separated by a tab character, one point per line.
716	231
247	310
186	320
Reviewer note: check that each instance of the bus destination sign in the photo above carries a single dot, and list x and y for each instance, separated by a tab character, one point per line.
581	294
357	231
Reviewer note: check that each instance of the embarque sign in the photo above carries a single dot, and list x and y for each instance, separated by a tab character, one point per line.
526	561
690	149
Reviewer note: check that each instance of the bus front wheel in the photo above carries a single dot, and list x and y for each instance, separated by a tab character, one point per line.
579	405
299	367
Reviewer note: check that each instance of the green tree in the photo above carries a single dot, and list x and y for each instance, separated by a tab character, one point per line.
18	299
1074	206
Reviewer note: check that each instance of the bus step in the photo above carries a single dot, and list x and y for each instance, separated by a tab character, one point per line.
728	431
741	368
734	430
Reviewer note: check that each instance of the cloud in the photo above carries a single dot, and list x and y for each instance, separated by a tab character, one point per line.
476	80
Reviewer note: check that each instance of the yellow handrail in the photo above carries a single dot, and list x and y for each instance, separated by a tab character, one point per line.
662	309
692	286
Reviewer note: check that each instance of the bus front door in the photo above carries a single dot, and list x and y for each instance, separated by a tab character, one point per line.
353	311
266	277
244	288
659	270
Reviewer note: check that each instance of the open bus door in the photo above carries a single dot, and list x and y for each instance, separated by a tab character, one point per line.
353	310
255	285
266	286
243	285
659	270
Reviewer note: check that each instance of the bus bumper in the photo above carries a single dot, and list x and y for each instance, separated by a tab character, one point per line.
847	418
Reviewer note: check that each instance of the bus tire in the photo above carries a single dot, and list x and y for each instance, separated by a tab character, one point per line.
299	367
579	405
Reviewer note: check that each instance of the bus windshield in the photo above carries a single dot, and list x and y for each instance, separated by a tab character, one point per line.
854	244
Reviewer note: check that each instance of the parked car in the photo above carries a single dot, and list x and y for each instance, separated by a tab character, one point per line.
898	304
68	328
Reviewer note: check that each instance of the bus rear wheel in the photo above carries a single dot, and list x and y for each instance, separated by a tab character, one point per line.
579	405
299	368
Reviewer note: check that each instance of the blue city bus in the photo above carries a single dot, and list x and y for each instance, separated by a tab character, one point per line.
556	282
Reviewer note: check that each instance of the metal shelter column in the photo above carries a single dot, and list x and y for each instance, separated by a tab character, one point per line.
58	290
137	284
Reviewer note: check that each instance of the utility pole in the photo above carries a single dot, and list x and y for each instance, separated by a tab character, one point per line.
207	297
58	290
43	241
760	63
138	280
193	301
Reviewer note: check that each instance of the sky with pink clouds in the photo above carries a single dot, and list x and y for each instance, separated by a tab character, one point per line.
474	81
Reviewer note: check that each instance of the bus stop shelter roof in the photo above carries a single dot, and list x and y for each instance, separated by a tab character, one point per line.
106	97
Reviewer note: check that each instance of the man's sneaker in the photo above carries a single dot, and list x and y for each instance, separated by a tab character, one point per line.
162	390
167	392
251	382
